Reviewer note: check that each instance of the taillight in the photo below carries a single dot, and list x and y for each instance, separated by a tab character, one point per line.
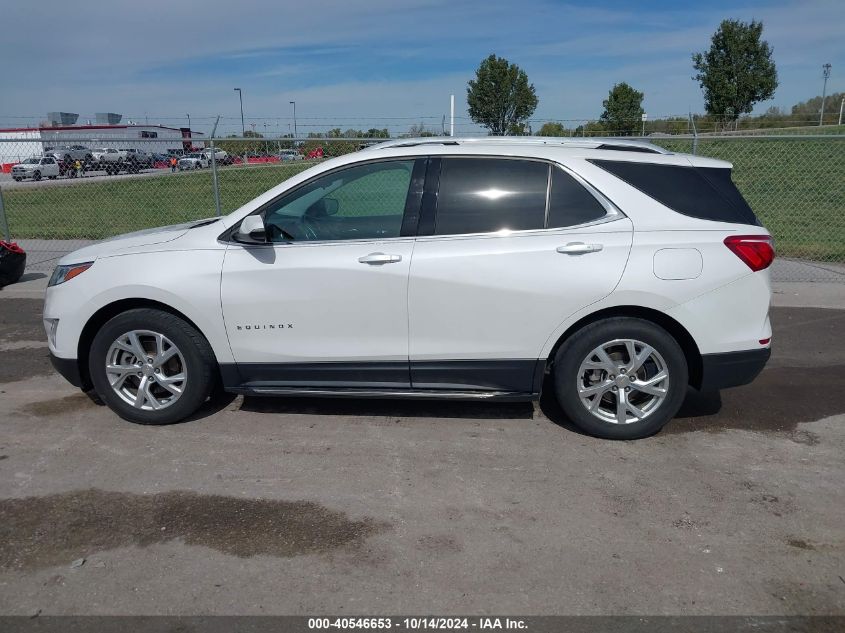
757	251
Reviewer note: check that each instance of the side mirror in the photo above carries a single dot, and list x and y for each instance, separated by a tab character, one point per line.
332	205
252	230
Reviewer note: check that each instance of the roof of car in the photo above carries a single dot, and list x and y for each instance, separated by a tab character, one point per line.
594	148
585	143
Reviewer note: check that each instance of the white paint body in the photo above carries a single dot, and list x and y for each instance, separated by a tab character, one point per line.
494	296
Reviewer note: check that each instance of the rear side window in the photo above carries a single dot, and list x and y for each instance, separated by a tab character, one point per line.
485	195
707	193
570	203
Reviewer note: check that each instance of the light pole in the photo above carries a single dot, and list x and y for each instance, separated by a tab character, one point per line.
189	121
826	73
241	97
293	103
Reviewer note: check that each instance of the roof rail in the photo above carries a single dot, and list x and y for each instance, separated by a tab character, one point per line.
615	144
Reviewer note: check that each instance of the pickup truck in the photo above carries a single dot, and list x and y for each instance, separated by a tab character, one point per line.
138	158
108	159
221	157
36	168
70	153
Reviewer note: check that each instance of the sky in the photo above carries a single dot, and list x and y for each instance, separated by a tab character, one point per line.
380	63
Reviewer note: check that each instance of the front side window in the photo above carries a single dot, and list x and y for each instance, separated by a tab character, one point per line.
487	195
359	202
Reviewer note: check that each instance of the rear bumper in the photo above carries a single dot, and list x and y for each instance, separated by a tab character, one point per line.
732	369
68	368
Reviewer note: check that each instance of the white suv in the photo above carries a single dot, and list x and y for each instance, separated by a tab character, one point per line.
615	272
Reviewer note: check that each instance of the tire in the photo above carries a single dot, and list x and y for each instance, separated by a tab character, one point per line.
194	360
51	177
579	372
17	178
36	175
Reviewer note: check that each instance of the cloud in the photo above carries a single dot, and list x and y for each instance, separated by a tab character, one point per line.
380	60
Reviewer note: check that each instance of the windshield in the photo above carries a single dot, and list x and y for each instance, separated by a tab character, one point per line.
194	156
31	161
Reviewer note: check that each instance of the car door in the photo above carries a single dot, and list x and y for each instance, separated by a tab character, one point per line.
325	304
508	249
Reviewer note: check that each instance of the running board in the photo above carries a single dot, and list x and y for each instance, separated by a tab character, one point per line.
434	394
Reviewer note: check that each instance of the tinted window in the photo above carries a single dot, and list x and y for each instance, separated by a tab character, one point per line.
705	193
365	201
570	203
484	195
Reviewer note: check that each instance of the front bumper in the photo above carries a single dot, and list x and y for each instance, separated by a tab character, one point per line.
732	369
69	369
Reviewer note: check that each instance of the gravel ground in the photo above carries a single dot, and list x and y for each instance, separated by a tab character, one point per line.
302	506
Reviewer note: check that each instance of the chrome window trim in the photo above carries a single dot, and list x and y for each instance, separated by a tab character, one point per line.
612	214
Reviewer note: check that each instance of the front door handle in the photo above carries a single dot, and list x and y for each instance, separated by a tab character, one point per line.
579	248
380	258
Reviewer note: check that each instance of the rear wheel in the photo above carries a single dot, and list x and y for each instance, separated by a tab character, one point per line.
621	378
36	175
151	367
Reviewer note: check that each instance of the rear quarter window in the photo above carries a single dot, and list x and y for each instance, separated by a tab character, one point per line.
707	193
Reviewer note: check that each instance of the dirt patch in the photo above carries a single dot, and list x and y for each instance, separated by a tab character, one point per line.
438	544
58	406
799	543
39	532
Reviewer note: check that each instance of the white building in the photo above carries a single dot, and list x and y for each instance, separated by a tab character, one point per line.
17	144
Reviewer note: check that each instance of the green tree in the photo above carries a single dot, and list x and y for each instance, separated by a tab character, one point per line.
737	71
500	95
553	129
623	110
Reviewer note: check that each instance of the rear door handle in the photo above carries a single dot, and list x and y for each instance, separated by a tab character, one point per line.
579	248
380	258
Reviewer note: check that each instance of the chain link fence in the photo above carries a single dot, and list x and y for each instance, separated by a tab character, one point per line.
57	198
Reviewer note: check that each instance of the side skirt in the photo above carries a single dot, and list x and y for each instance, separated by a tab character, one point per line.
389	394
454	379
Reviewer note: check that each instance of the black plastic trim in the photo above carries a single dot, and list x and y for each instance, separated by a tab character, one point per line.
385	374
732	369
68	368
523	376
500	375
428	209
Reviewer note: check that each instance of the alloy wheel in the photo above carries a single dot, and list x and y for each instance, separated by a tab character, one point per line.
623	381
146	370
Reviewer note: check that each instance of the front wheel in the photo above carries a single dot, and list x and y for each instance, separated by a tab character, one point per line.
36	175
151	367
620	378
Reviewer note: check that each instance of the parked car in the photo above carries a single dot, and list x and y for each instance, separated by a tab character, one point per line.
36	168
108	159
194	161
220	156
70	154
137	158
289	154
613	273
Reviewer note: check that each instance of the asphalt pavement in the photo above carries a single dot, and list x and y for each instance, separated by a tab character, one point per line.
303	506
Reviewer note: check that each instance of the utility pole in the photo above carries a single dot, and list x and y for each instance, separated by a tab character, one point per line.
241	98
293	103
826	73
189	121
452	116
841	105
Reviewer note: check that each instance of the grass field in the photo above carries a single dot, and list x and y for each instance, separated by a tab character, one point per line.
95	210
795	185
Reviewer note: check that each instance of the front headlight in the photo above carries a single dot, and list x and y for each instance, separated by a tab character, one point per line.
66	273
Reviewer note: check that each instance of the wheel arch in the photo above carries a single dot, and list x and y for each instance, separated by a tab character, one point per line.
108	311
673	327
